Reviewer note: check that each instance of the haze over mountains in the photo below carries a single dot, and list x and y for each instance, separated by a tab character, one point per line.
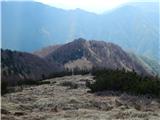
29	26
74	64
77	55
82	54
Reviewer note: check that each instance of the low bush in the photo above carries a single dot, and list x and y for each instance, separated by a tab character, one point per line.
70	84
32	82
68	72
4	86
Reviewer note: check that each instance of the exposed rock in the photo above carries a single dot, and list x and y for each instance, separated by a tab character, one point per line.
4	111
81	54
118	102
19	113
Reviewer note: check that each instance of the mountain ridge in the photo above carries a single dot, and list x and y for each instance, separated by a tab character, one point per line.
78	55
127	28
94	54
83	47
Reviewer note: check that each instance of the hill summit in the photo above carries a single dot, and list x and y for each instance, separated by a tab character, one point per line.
82	54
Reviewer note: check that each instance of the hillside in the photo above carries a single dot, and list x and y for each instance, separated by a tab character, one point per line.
78	55
46	51
85	55
17	66
28	26
149	64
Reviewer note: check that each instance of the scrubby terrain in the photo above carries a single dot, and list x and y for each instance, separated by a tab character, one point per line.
67	98
78	55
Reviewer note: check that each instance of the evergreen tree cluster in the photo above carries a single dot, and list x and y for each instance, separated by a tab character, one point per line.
5	86
125	81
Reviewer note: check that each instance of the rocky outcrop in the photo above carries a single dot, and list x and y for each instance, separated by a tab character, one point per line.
82	54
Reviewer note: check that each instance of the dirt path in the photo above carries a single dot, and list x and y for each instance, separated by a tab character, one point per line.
66	98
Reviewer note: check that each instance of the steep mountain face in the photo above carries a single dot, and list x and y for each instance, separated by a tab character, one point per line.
24	66
82	54
77	55
46	51
31	26
149	64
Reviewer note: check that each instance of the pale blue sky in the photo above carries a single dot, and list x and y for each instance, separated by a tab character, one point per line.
97	6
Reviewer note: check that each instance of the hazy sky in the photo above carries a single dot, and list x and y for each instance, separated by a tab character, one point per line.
97	6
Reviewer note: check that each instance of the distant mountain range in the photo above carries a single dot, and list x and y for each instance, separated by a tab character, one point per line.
28	26
79	54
